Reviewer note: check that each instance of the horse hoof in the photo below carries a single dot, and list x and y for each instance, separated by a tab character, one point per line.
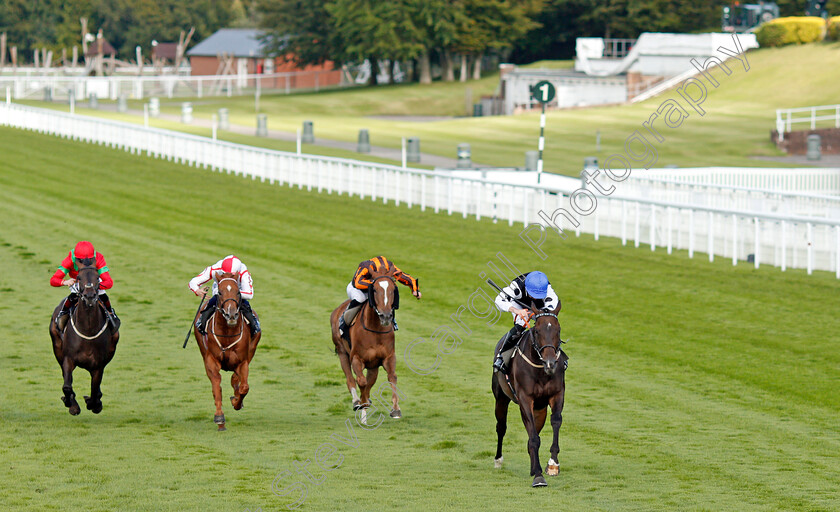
221	428
233	403
95	408
552	469
74	409
396	414
539	481
356	405
497	463
219	419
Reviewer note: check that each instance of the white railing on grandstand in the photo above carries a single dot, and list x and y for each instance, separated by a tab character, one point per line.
734	197
787	117
781	240
811	180
59	87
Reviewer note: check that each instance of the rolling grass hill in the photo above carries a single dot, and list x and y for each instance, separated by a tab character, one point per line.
736	126
692	385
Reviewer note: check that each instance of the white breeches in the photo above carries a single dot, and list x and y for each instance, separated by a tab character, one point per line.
354	293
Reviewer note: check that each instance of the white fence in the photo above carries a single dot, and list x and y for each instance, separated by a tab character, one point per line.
58	87
780	240
823	181
787	117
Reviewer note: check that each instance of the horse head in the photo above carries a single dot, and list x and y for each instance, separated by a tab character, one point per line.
545	338
88	280
382	298
230	297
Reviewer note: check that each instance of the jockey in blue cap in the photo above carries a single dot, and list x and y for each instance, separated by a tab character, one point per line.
531	289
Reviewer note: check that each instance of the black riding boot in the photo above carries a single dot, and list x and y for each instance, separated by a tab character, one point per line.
109	311
253	321
206	313
510	339
64	313
343	327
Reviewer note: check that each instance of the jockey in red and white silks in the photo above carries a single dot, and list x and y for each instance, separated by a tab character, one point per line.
229	264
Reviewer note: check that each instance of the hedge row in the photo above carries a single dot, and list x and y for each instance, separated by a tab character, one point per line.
834	28
791	30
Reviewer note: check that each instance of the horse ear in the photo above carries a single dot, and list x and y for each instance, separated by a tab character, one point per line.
557	309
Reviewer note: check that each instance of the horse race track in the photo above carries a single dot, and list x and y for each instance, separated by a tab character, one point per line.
692	385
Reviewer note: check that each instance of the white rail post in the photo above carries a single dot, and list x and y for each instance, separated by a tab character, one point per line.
405	156
636	231
215	125
788	121
8	95
652	227
298	142
437	193
711	242
422	192
734	240
670	227
837	252
510	210
464	199
810	249
784	246
757	241
624	223
691	233
146	115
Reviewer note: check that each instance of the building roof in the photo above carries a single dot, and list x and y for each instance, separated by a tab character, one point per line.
239	42
165	51
93	48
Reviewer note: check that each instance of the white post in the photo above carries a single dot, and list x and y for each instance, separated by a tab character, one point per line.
624	223
784	246
691	233
810	250
422	192
670	228
636	232
215	125
711	244
404	155
652	227
146	115
788	122
757	240
734	240
8	95
298	141
837	252
72	102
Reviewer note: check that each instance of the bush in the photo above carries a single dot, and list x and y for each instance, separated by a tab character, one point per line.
791	30
834	28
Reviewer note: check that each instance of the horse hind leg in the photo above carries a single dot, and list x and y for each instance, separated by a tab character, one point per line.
239	381
344	359
361	382
69	397
390	365
94	401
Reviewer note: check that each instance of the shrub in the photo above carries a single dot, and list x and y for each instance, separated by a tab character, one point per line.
791	30
834	28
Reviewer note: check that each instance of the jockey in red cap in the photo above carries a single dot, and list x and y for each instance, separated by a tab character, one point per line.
85	254
230	264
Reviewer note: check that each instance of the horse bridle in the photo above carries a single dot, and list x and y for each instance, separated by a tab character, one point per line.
539	349
237	300
372	303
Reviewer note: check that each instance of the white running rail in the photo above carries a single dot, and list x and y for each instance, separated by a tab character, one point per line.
780	240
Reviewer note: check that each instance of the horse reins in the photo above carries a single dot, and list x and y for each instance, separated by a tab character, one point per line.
537	349
76	309
213	321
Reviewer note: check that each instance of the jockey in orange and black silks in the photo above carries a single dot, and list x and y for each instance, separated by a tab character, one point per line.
357	288
83	254
229	264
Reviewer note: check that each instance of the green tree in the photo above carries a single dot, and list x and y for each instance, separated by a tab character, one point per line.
298	29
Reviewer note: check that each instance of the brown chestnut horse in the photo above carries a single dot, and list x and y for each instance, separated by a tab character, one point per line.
372	344
87	340
537	378
228	345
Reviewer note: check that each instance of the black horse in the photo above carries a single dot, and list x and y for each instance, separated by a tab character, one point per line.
87	340
536	381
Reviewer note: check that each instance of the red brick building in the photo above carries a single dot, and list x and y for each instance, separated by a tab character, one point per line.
247	51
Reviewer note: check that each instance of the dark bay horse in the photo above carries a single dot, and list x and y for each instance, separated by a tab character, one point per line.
228	345
373	344
87	340
537	376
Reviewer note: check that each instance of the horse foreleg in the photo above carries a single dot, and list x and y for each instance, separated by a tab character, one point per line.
344	359
553	466
69	398
94	401
370	380
241	387
213	369
361	382
526	407
390	365
502	403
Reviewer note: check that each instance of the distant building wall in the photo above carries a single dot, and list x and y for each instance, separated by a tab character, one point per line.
796	143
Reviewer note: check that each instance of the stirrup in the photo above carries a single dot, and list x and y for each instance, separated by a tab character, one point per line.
499	364
343	330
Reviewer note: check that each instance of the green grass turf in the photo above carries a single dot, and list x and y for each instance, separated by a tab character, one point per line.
692	385
739	115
